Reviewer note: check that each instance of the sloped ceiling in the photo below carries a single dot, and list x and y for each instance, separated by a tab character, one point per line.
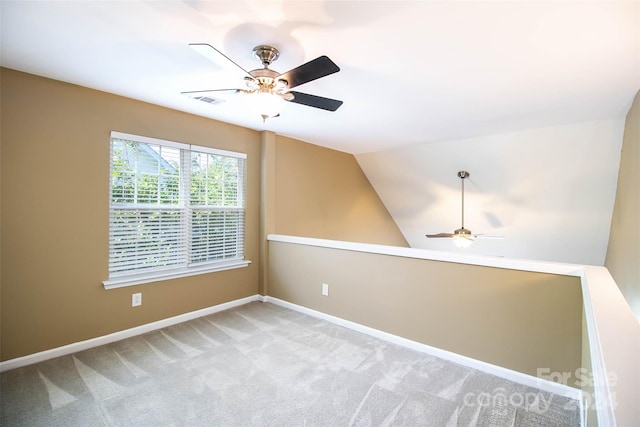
415	75
548	192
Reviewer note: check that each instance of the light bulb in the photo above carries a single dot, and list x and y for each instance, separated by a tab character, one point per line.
267	104
462	242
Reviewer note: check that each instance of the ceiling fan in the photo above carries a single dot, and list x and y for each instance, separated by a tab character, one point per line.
269	89
462	237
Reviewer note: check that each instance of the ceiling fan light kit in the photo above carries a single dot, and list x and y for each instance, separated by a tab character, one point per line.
462	238
268	89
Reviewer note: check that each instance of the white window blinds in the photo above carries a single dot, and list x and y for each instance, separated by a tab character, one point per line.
175	209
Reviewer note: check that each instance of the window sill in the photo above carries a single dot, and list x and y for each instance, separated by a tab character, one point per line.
139	279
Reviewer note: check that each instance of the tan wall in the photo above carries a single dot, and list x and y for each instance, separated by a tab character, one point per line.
515	319
323	193
623	253
55	181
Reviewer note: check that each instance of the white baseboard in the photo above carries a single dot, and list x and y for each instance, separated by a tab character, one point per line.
508	374
120	335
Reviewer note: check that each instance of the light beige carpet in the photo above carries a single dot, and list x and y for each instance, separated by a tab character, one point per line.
264	365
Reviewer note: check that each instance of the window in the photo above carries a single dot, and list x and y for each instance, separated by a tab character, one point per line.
175	210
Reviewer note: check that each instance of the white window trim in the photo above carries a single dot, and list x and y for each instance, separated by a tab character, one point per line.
181	145
157	276
132	279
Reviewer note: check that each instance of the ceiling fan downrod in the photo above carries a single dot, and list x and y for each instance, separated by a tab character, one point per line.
462	175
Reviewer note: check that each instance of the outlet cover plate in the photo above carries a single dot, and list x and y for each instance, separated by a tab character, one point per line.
136	299
325	289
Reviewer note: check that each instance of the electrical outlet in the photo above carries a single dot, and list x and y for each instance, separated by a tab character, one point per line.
136	299
325	289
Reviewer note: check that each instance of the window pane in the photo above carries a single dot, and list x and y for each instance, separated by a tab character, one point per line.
216	235
145	238
215	180
144	173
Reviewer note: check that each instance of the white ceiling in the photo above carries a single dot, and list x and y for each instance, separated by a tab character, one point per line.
411	71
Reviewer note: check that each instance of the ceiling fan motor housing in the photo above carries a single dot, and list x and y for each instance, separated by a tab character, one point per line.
264	80
265	77
462	231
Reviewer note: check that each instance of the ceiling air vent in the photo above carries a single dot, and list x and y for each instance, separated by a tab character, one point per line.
209	100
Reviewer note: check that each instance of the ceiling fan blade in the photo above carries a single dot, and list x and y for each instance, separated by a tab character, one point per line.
315	101
217	57
439	235
482	236
312	70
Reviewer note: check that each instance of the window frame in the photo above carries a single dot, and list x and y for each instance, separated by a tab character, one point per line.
136	277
